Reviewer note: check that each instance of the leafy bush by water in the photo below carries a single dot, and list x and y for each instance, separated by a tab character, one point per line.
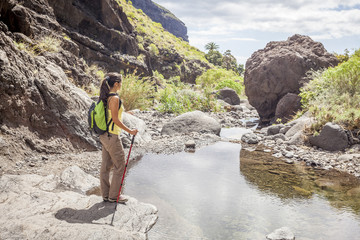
219	78
179	98
333	95
237	85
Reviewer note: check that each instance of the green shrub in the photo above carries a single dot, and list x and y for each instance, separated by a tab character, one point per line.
141	30
153	49
43	44
213	77
169	101
136	93
66	37
178	98
237	86
95	71
131	15
333	95
47	44
22	46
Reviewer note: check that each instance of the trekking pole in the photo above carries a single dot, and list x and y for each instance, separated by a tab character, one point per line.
122	180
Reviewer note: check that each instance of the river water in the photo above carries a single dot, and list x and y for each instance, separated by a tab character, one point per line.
223	192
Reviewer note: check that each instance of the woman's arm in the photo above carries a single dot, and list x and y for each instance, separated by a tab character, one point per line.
114	108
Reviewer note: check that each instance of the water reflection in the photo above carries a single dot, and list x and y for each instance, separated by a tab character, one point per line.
203	195
288	181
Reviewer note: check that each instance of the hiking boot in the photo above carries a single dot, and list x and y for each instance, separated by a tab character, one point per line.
105	199
121	200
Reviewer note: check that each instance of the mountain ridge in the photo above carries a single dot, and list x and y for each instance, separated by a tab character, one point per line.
162	15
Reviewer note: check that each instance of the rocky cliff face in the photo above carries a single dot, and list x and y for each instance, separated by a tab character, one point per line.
99	29
161	15
41	105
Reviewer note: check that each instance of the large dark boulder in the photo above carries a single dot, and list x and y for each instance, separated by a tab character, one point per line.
287	107
229	96
332	138
281	68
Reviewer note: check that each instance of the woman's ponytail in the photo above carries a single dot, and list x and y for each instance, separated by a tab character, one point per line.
107	83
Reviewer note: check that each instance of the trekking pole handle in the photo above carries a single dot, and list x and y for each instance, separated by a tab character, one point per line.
132	140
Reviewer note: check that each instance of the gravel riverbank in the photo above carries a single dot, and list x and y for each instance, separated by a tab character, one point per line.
240	117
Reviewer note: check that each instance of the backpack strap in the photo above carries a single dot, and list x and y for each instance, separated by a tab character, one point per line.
111	121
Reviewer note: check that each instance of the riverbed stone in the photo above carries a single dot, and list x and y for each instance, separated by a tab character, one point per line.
297	139
289	154
283	233
355	148
279	136
298	125
228	95
196	121
285	129
275	129
349	157
250	138
332	138
190	144
3	143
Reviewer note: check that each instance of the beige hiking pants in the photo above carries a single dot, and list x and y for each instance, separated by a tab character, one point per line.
112	156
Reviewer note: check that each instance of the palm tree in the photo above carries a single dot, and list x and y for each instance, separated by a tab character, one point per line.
211	46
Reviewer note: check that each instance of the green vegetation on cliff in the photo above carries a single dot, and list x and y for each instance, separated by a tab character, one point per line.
333	95
149	32
46	43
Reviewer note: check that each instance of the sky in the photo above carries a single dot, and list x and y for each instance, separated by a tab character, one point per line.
248	25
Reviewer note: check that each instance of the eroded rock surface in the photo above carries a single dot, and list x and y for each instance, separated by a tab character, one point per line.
37	207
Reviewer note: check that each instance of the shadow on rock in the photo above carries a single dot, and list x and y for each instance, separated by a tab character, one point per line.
96	212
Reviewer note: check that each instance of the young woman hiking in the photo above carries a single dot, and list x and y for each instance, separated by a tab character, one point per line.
112	149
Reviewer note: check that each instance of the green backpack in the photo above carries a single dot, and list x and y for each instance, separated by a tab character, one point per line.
97	117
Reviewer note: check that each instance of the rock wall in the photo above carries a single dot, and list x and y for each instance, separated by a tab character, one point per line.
161	15
281	68
102	31
41	106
